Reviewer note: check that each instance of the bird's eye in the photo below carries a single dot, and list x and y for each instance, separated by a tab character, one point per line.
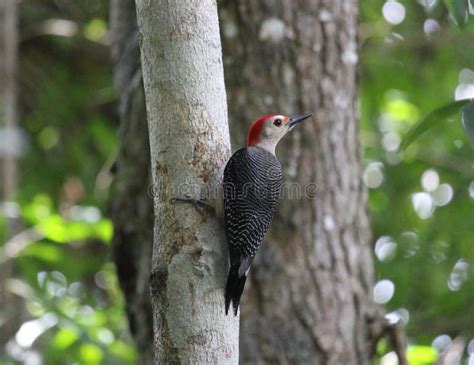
277	122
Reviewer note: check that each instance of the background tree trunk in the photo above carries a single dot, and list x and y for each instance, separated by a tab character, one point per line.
132	204
11	305
8	95
310	294
187	116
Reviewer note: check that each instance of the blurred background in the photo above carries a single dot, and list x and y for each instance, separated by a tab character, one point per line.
60	302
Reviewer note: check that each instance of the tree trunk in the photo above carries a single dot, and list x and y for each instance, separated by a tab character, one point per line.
11	306
310	295
131	204
187	116
8	96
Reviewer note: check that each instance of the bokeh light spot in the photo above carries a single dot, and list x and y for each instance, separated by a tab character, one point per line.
393	12
458	275
464	91
400	315
373	176
442	195
441	343
31	330
390	141
431	26
423	205
385	248
383	291
471	189
430	180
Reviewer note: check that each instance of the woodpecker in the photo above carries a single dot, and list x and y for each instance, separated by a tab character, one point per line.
252	187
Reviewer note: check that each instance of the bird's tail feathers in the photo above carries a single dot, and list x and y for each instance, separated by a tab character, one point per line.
235	284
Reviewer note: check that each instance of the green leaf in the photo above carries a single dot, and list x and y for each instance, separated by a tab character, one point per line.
55	228
91	354
468	120
459	9
382	346
433	118
104	230
421	355
58	229
40	208
123	351
45	252
95	29
65	338
93	319
402	111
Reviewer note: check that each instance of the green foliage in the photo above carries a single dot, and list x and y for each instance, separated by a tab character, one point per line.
436	116
59	230
95	29
65	338
422	199
65	277
459	9
55	280
421	355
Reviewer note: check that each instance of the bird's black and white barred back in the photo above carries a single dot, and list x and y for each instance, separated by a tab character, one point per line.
252	188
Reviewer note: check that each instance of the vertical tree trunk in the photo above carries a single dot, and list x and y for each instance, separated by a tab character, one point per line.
8	95
12	309
187	116
310	295
132	204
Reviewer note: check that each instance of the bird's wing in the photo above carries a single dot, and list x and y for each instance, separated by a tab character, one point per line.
252	187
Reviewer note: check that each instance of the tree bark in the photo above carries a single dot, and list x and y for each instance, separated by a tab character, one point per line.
310	295
187	117
11	306
8	96
131	205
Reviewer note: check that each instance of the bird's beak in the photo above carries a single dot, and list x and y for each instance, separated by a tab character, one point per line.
298	118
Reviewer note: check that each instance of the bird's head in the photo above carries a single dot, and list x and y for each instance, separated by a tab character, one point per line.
267	131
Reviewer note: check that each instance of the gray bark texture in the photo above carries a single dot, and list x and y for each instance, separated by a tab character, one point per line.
8	94
12	309
309	297
131	205
189	140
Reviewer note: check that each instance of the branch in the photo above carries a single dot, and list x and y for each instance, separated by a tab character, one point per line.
397	338
18	243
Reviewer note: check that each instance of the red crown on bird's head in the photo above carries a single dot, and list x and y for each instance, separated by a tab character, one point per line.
256	128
